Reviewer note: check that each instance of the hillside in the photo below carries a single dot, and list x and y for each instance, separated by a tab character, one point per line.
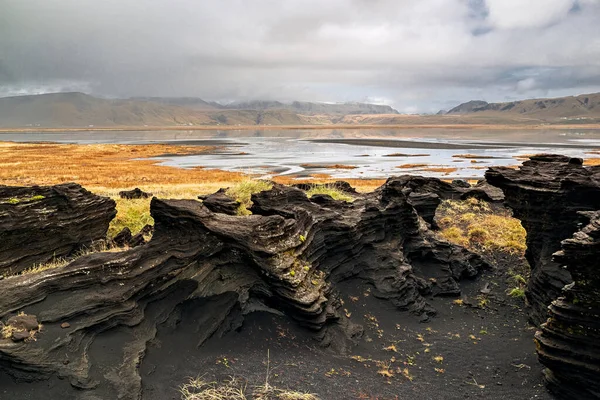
315	108
81	110
583	107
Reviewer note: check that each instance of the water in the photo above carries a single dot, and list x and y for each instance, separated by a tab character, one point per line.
305	152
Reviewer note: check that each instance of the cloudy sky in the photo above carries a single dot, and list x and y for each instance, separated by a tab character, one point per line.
416	55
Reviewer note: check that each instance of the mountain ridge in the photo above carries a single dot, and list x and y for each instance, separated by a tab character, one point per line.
581	106
75	109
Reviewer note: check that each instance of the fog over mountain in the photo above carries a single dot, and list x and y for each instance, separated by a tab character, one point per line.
416	56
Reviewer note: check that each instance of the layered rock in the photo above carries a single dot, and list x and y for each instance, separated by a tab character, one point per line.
41	223
288	257
568	343
426	194
546	193
136	193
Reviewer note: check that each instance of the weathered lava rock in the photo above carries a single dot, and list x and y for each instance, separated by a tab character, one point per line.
425	194
136	193
568	343
288	257
342	186
40	223
126	239
546	193
220	202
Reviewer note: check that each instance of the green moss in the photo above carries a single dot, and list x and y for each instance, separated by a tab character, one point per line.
517	293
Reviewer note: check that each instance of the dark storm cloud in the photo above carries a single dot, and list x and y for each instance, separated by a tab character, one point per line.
415	55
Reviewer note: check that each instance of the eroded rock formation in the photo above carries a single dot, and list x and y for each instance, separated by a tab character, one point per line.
568	343
136	193
546	193
288	257
38	224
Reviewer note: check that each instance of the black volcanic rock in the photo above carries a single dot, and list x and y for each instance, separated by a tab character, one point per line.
546	193
136	193
220	202
288	257
41	223
567	343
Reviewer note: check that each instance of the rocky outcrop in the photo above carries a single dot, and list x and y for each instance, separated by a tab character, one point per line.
426	194
41	223
126	239
288	257
546	193
220	202
136	193
567	343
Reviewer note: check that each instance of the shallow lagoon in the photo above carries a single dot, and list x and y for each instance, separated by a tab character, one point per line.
304	152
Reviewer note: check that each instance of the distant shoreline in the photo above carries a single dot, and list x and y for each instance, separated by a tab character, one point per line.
305	127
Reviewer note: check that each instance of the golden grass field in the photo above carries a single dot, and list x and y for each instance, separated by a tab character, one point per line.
106	169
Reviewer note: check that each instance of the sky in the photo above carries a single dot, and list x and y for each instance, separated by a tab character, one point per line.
415	55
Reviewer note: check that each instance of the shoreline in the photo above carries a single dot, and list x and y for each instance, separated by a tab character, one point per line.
303	127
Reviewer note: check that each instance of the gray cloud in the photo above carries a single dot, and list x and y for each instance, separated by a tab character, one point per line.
415	55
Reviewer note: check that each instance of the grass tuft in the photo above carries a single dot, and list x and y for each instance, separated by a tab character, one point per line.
331	190
244	190
134	214
473	224
198	389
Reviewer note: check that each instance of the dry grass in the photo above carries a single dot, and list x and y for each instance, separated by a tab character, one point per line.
361	185
445	170
429	168
100	247
330	166
408	166
101	165
472	156
198	389
406	155
236	389
473	224
591	162
331	190
7	331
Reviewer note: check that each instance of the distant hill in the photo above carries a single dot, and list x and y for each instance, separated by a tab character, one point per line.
300	107
583	107
315	108
189	102
82	110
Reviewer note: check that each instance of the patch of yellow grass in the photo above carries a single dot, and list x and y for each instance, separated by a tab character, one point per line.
135	213
408	166
471	156
330	166
330	190
473	224
591	162
7	331
101	165
244	190
361	185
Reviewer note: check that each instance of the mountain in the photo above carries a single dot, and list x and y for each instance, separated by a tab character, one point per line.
583	107
189	102
82	110
309	108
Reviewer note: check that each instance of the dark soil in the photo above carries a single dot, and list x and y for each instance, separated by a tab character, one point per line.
487	352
